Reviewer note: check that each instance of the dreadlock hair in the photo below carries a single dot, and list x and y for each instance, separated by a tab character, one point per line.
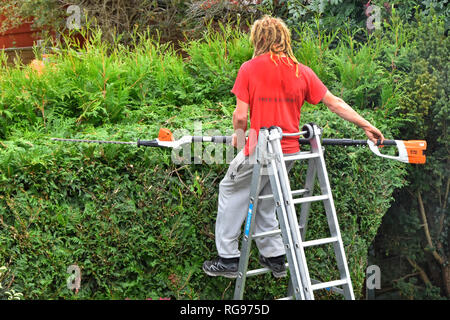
269	34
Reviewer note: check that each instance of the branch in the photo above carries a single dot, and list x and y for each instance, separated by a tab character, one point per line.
435	254
444	206
422	273
406	276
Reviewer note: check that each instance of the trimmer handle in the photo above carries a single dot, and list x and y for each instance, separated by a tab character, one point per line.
409	151
214	139
348	142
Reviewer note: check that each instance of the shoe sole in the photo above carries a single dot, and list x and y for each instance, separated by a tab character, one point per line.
230	275
276	274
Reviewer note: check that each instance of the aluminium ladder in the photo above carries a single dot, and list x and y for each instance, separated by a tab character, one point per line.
269	156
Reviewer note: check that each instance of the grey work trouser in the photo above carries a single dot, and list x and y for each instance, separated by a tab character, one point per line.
234	195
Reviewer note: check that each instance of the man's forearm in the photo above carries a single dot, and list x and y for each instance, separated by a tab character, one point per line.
239	123
342	109
240	126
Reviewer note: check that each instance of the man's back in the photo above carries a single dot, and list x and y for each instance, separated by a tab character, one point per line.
276	91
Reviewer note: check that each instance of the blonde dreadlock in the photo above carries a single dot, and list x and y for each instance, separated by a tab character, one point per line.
270	34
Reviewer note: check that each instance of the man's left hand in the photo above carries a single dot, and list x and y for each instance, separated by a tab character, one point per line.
373	134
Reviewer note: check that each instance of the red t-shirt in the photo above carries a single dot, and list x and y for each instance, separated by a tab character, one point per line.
275	96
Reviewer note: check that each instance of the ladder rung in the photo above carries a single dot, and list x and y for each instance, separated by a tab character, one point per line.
266	234
310	199
256	272
286	298
294	193
302	156
334	289
329	284
270	233
299	192
268	196
318	242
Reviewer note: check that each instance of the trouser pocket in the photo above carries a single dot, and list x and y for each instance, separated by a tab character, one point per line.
235	165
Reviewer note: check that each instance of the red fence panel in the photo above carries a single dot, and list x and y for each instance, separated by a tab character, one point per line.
22	36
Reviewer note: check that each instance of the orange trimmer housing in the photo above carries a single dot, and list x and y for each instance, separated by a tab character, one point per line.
165	135
415	150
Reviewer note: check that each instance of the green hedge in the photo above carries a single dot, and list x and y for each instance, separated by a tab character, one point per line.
138	225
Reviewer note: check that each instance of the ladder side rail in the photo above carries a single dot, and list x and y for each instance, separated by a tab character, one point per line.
305	207
333	224
288	241
248	232
279	163
283	220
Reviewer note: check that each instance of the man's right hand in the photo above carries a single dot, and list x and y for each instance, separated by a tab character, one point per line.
237	142
373	134
234	140
240	118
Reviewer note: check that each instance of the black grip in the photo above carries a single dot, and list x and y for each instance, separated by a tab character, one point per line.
215	139
387	142
348	142
221	139
197	138
147	143
343	142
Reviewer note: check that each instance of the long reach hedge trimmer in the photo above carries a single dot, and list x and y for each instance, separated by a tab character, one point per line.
409	151
165	140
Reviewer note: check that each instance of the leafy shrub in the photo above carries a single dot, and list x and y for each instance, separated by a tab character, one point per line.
415	230
10	294
136	224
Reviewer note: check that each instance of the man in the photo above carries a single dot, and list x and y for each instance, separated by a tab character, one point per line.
273	86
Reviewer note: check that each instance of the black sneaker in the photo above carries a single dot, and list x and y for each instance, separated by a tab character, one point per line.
226	267
276	264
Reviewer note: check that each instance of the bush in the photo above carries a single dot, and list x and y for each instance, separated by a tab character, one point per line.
136	224
10	294
415	230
